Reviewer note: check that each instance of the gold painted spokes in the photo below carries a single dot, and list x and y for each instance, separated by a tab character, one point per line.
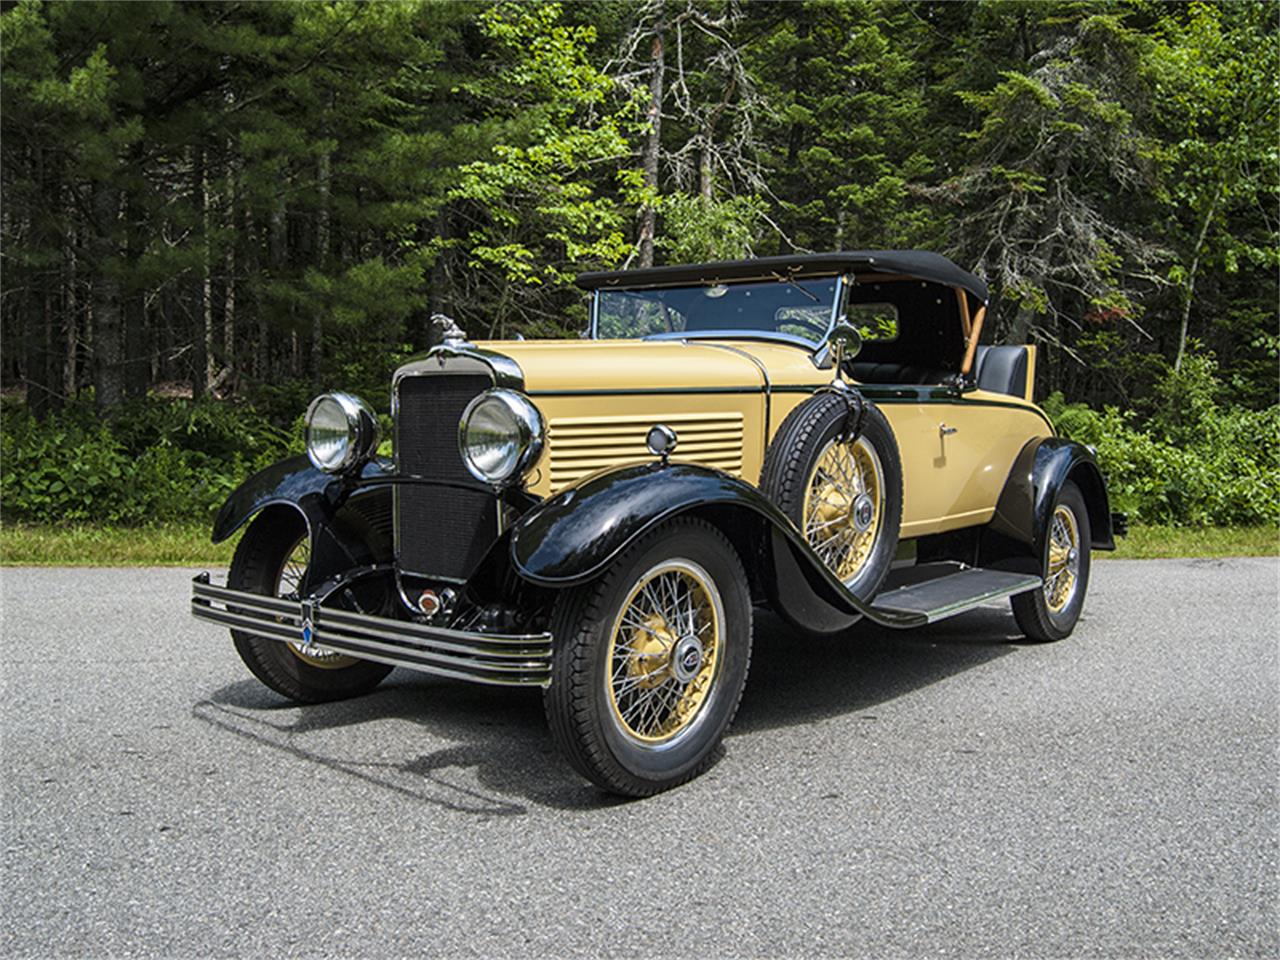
664	652
288	583
1064	559
843	505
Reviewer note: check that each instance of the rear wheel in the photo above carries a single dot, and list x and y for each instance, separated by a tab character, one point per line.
272	559
1051	612
651	660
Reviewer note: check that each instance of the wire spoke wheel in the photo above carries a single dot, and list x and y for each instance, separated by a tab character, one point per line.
664	652
844	506
289	581
1052	611
650	660
1064	559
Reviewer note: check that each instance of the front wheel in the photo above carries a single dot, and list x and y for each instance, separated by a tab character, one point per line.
651	660
272	559
1051	612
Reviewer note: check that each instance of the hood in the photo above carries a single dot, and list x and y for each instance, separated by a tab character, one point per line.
613	365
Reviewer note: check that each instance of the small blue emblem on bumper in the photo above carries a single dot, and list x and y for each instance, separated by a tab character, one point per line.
308	622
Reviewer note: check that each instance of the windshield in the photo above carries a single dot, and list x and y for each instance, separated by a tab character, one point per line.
799	309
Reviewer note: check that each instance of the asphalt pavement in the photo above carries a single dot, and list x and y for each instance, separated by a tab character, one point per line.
948	792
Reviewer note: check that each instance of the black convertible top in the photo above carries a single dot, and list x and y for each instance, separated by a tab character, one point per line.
912	263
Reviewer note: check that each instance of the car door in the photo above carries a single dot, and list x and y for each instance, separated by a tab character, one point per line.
956	452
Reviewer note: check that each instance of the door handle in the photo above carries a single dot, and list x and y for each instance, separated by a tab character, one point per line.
946	431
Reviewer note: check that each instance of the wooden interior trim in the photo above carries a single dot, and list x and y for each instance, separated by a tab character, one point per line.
973	340
966	322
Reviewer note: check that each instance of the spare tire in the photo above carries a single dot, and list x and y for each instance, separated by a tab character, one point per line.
844	494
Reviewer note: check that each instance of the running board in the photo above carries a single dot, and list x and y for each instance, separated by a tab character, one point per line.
953	593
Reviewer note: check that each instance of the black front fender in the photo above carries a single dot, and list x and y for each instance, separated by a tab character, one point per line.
295	483
336	511
571	538
1014	540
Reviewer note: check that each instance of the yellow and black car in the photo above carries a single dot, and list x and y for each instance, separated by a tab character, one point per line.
820	434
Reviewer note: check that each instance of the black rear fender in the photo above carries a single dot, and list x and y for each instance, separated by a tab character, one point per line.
1014	539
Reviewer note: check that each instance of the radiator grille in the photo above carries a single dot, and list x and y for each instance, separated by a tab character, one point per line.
441	531
582	445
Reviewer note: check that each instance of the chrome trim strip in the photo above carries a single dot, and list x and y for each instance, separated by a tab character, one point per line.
491	658
639	391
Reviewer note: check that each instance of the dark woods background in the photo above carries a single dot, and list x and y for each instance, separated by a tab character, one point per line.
242	203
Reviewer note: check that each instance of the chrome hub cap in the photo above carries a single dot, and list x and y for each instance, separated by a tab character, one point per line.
686	661
864	512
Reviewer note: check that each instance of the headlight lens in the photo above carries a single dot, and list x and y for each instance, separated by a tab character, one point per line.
342	431
500	435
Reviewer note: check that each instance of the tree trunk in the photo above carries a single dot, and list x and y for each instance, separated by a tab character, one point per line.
277	240
652	147
322	262
39	326
137	367
198	301
1189	290
435	296
108	372
233	280
69	384
259	362
704	168
206	270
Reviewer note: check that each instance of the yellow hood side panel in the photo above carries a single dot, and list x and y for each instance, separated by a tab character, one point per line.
600	398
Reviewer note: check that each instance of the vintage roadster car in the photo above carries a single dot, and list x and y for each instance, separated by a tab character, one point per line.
821	434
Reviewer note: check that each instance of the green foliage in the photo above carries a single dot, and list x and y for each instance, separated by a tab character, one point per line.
264	200
698	228
1197	461
158	461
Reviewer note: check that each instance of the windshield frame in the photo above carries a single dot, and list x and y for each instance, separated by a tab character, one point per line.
837	308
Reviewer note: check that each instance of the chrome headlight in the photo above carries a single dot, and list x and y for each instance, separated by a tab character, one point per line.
500	436
342	431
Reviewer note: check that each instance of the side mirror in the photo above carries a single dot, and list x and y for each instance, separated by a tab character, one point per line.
844	341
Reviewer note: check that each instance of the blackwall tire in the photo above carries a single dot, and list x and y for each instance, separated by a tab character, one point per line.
259	566
650	661
794	476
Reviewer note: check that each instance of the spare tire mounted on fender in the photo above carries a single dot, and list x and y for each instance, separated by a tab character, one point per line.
833	468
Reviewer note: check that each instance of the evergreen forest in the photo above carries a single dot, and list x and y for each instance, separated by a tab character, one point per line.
213	210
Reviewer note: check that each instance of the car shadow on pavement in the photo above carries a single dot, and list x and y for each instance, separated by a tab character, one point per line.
797	679
497	756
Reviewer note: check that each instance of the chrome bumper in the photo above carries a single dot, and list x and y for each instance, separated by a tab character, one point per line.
512	660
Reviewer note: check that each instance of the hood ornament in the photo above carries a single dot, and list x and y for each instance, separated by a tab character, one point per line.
445	331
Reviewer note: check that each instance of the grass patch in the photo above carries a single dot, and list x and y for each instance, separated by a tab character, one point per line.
1152	543
187	545
163	545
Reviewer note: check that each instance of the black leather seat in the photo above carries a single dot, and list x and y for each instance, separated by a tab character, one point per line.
1002	370
869	372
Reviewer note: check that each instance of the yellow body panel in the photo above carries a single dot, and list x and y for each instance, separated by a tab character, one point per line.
952	480
599	399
